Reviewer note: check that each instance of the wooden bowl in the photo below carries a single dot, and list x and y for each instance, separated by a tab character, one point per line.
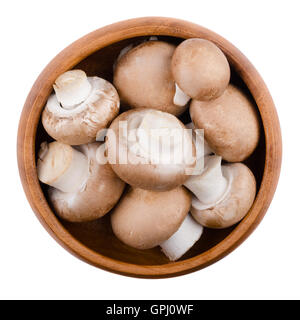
94	242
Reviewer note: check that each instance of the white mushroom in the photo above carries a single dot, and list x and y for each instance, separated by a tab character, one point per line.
152	151
222	194
79	108
82	189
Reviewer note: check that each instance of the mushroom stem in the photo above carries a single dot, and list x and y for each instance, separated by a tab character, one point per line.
180	98
62	167
72	88
199	141
210	186
183	239
159	138
202	148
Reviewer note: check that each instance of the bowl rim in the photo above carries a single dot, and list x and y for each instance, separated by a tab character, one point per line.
92	42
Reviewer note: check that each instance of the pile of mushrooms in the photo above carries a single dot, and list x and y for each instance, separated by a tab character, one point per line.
160	180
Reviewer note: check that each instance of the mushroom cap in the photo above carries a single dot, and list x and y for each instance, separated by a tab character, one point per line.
235	205
138	173
143	219
200	69
81	124
101	192
143	77
230	123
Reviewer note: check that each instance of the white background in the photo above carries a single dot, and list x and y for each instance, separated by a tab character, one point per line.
34	266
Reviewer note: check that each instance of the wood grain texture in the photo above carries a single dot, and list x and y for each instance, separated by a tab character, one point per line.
94	242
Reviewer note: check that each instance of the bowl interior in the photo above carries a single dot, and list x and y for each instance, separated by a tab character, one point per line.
97	235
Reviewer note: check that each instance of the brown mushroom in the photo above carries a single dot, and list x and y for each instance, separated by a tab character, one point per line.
144	219
150	149
143	78
200	69
223	194
82	189
80	107
230	123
